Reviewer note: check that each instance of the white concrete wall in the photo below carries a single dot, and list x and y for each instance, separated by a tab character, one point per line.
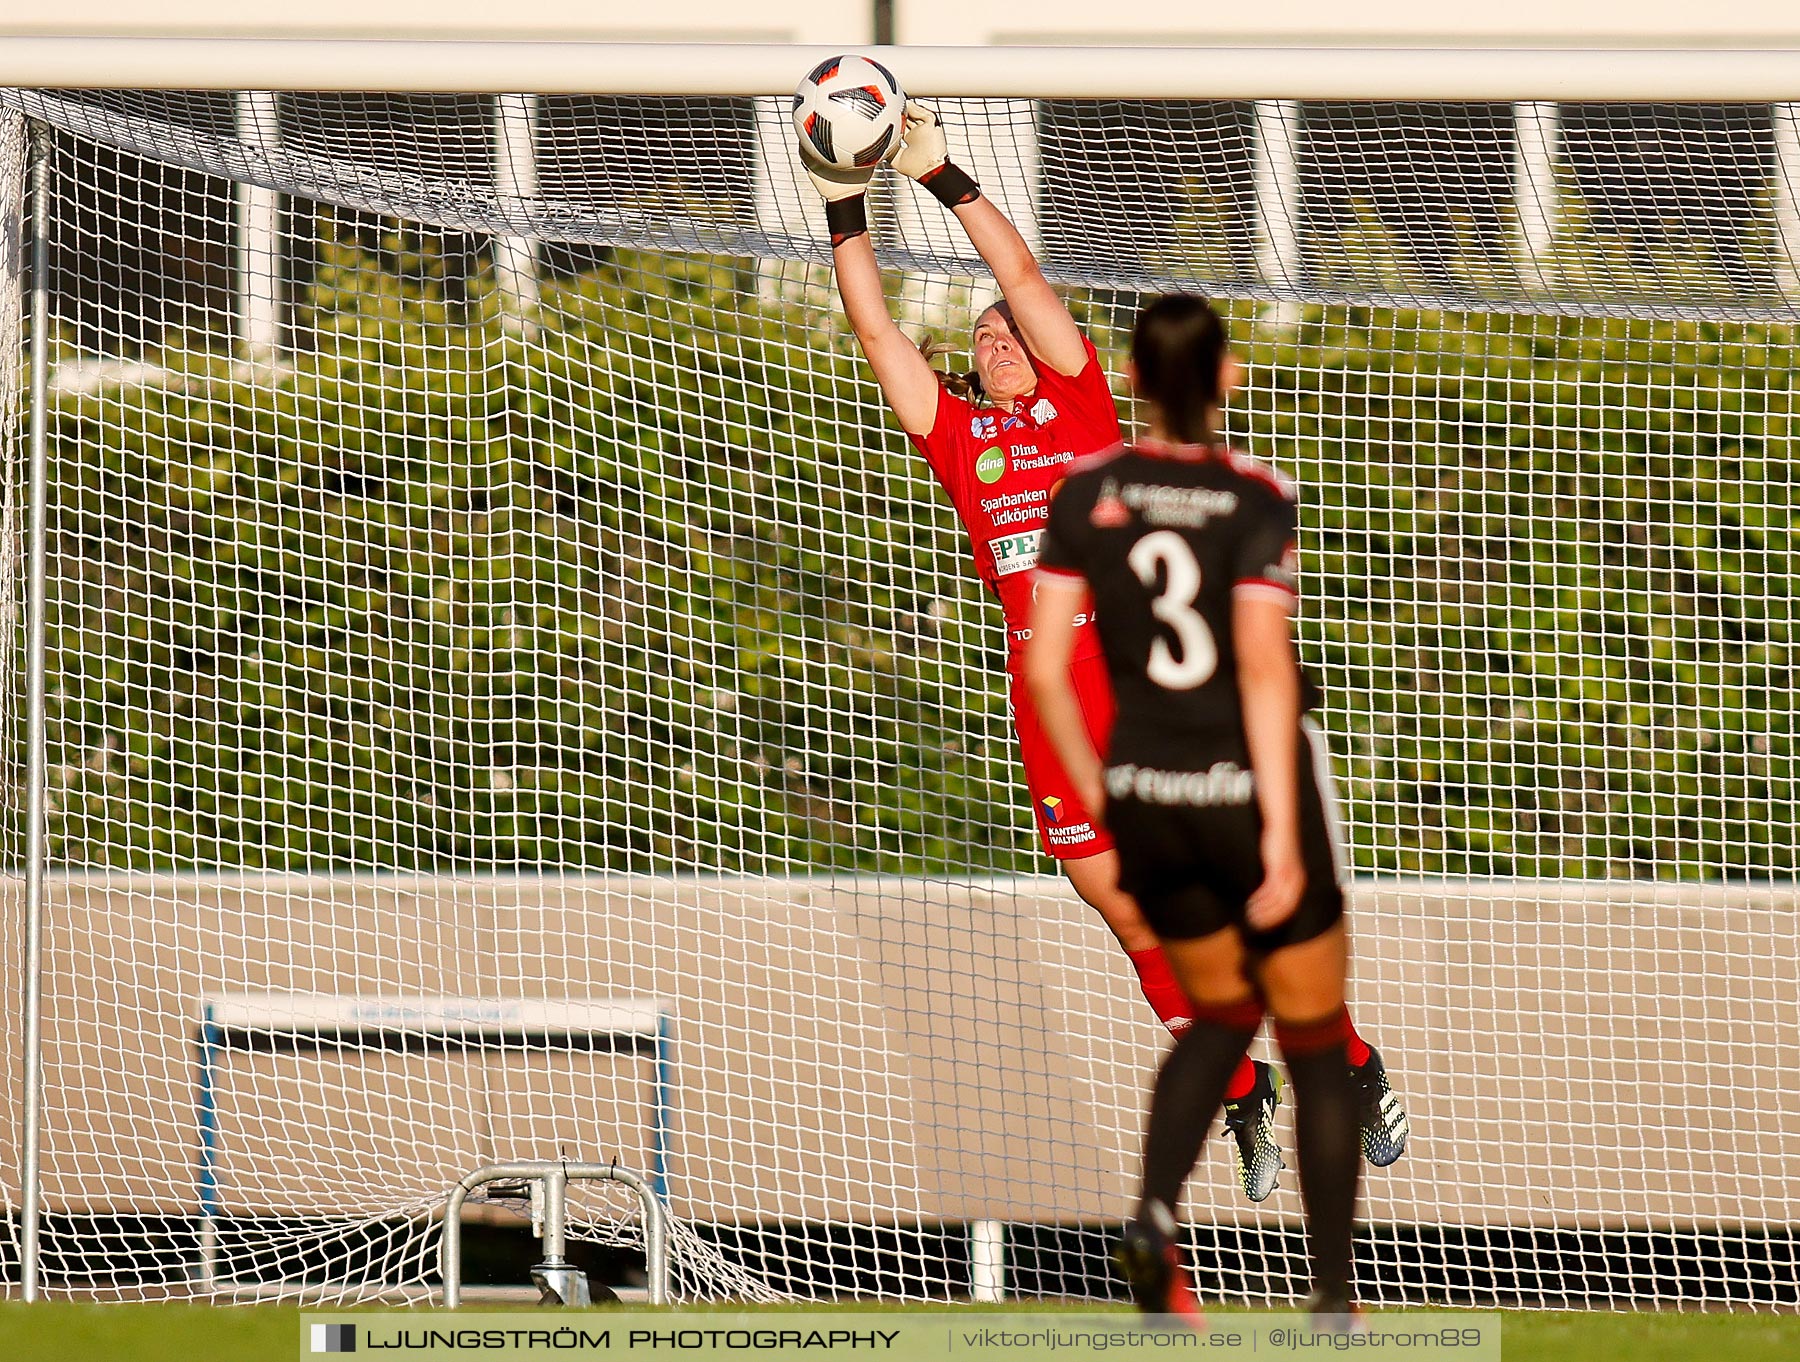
884	1048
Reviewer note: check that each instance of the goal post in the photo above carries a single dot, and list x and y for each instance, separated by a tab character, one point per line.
477	565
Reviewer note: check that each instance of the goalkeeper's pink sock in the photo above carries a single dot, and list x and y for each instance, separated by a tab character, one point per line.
1355	1046
1166	997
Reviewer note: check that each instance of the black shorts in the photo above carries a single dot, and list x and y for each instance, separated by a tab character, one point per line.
1189	843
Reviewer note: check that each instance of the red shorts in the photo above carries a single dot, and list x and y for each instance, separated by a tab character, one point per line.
1064	825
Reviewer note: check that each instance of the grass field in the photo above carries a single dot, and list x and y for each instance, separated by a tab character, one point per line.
63	1332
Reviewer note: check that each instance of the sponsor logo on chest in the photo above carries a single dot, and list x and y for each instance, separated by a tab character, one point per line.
1027	506
1224	784
1026	459
1184	507
1015	552
994	463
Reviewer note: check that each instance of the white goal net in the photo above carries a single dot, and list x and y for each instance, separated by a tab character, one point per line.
482	576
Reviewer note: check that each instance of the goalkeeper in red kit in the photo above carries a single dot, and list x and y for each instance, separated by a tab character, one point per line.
999	441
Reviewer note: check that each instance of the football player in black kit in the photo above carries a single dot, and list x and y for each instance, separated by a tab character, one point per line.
1214	791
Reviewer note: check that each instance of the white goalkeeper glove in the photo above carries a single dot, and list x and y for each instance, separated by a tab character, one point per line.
833	184
844	192
925	156
922	145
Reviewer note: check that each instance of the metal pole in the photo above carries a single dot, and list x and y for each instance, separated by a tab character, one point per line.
450	1247
987	1260
36	829
258	237
656	1223
656	1236
884	23
1786	127
665	1087
212	1039
516	177
556	1186
1534	184
1276	180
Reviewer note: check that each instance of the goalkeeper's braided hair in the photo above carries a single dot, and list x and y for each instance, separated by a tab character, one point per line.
1178	346
966	386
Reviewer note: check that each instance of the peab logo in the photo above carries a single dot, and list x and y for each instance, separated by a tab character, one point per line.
990	465
334	1338
1016	552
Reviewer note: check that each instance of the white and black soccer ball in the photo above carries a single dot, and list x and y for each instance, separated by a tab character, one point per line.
849	112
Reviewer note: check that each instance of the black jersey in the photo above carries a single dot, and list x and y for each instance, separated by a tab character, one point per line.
1165	535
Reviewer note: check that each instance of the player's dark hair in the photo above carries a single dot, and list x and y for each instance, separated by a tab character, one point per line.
1177	347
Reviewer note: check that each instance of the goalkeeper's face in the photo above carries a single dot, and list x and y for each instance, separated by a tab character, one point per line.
1000	358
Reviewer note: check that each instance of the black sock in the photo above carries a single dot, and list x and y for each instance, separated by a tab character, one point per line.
1189	1090
1326	1136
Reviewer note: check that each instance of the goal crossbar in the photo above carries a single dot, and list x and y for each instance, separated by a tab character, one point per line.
1349	72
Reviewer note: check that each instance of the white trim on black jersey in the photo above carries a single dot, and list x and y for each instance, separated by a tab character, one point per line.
1260	588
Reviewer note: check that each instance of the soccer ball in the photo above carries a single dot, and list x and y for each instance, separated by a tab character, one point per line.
849	112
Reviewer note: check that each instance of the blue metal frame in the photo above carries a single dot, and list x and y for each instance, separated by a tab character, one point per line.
665	1089
208	1043
211	1040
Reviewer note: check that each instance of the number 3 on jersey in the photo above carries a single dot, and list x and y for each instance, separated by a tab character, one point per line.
1168	552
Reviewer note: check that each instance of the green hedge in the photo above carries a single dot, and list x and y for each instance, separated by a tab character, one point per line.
1556	570
658	587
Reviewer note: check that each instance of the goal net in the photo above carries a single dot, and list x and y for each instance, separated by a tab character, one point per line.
482	573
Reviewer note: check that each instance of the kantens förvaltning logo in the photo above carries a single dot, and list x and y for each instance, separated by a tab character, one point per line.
1052	808
990	464
334	1338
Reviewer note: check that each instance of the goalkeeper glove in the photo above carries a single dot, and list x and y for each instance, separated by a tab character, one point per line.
925	157
843	192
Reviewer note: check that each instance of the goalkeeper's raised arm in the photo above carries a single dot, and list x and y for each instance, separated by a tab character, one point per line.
1031	311
998	439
